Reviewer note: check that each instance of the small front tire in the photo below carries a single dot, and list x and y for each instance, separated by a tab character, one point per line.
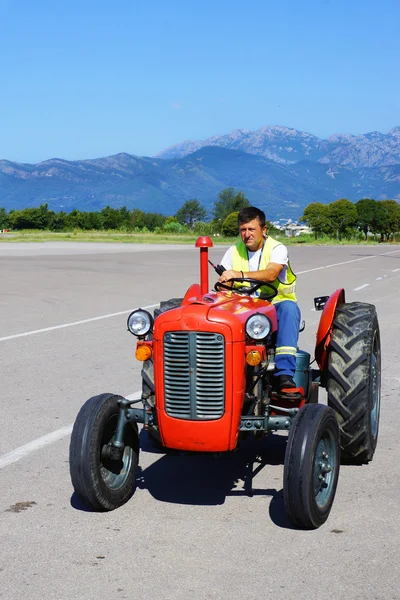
312	463
101	482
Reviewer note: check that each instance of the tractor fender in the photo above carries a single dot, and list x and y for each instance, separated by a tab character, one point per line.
325	328
193	292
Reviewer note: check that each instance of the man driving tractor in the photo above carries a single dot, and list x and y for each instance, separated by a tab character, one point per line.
258	256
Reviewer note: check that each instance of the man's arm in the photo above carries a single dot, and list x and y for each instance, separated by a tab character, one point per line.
269	274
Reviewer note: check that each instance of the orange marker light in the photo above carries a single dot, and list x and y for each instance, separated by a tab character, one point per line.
253	358
143	352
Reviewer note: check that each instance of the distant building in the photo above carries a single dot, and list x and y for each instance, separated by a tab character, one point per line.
291	228
294	229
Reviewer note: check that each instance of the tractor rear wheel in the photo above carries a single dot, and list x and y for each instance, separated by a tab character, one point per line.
354	379
311	468
148	387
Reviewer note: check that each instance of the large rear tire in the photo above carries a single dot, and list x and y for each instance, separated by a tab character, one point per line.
311	468
101	482
354	379
148	387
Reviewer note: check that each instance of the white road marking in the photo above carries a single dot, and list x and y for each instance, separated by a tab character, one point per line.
45	440
395	270
361	287
346	262
310	270
41	442
35	331
378	278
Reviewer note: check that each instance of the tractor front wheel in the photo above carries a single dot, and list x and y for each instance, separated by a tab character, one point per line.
354	379
102	479
311	467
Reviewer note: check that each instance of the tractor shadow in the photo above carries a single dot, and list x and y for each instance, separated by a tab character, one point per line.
208	479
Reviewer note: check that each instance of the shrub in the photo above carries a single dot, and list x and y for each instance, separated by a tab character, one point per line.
202	228
230	225
174	227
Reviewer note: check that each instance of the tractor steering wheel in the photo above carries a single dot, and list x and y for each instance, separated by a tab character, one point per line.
255	284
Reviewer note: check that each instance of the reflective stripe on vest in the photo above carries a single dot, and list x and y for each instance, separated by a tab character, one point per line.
240	262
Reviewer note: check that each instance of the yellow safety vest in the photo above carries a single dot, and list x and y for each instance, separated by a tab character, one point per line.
240	262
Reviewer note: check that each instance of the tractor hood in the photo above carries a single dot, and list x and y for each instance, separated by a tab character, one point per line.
216	311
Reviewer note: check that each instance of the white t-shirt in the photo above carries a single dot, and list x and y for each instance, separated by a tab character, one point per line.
279	255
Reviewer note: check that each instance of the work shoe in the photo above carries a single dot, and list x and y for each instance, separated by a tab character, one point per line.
285	382
287	389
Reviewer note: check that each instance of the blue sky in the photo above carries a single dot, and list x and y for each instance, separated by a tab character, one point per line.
83	79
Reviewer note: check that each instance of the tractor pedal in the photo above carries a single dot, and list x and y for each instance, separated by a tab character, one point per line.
291	394
288	395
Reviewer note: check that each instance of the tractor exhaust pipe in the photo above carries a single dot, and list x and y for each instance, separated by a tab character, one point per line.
204	243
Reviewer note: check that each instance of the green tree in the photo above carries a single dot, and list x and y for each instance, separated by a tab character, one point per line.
229	202
153	220
381	222
316	215
137	218
111	217
30	218
392	223
57	221
343	215
74	220
367	212
4	222
43	216
190	212
126	222
230	226
94	221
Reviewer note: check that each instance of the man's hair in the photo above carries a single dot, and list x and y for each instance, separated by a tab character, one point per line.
249	213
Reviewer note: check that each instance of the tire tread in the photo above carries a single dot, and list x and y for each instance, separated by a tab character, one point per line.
348	383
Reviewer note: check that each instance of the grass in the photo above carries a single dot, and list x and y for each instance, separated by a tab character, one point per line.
106	236
153	238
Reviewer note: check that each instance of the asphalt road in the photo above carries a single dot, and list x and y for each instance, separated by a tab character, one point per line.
193	529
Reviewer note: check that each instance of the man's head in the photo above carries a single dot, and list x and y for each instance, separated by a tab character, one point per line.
252	227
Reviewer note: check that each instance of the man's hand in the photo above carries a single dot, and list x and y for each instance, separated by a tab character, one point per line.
227	275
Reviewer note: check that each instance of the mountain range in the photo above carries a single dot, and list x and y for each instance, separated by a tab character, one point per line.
281	170
287	146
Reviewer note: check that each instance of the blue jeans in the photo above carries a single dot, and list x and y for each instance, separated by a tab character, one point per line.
287	337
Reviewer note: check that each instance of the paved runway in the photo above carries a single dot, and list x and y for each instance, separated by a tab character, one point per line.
191	530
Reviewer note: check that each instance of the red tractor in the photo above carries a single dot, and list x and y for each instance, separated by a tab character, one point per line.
208	365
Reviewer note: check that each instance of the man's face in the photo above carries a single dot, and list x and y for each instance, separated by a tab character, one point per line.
252	234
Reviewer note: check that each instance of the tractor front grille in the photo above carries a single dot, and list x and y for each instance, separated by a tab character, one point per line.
194	375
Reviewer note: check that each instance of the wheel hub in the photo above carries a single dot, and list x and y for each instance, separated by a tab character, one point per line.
323	470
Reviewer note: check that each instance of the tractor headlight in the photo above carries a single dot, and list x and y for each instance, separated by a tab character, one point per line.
140	322
258	326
